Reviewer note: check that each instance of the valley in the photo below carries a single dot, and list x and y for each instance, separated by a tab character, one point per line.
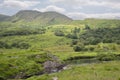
30	39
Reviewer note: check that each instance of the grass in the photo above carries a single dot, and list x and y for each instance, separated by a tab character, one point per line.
101	71
14	60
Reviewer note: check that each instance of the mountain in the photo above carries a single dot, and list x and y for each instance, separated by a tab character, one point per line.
53	18
26	15
4	17
40	17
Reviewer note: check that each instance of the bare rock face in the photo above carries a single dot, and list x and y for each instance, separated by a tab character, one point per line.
53	65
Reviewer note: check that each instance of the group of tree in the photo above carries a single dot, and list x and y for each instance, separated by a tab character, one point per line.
96	36
59	33
21	31
20	45
105	35
74	33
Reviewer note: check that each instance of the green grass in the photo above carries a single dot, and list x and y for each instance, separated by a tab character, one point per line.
13	61
101	71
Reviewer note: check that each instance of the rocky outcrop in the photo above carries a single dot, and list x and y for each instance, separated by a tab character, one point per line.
53	66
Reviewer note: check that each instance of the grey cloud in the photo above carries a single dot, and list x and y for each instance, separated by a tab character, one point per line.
18	3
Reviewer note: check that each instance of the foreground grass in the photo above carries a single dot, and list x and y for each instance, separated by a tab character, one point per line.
100	71
14	61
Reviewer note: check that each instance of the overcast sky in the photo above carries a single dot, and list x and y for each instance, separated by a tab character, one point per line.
76	9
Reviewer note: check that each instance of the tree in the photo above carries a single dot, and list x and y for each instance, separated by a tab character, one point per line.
72	36
22	45
59	33
4	45
79	47
87	27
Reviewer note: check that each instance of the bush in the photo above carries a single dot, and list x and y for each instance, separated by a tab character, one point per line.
22	31
74	42
33	69
106	57
2	78
79	47
20	45
59	33
95	36
72	36
90	48
4	45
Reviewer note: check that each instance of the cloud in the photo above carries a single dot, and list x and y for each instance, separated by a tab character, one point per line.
18	4
51	8
55	1
104	3
78	15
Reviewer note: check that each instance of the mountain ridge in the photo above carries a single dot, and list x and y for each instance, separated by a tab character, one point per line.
4	17
50	17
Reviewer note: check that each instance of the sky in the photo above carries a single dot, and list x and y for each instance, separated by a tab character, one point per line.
75	9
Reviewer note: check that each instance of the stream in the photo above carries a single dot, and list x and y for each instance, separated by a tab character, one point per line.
83	61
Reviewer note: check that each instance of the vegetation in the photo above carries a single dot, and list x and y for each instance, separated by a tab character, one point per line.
59	33
21	31
104	35
100	71
29	39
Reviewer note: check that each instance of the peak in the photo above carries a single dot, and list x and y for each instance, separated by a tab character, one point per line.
48	17
3	15
52	12
28	11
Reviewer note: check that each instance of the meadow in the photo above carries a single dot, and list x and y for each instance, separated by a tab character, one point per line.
24	48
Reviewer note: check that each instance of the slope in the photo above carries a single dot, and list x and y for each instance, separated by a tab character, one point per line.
40	17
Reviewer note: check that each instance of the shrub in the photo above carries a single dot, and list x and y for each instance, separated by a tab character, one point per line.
59	33
77	48
2	78
4	45
106	57
72	36
95	36
33	69
74	42
20	45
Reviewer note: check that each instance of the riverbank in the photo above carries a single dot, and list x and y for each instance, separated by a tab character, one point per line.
95	71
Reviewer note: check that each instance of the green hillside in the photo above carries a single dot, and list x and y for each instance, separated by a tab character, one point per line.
95	23
4	17
26	15
43	18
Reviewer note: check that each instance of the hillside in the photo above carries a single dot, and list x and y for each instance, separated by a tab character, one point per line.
53	18
4	17
98	23
26	15
37	44
42	18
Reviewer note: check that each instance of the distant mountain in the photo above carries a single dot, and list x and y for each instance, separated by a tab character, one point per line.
4	17
26	15
40	17
53	18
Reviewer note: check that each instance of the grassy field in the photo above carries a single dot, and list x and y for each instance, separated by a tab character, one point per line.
15	60
99	71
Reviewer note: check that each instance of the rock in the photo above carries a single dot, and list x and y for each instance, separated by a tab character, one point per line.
51	66
55	78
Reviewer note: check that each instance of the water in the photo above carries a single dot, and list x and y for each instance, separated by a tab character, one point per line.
82	61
